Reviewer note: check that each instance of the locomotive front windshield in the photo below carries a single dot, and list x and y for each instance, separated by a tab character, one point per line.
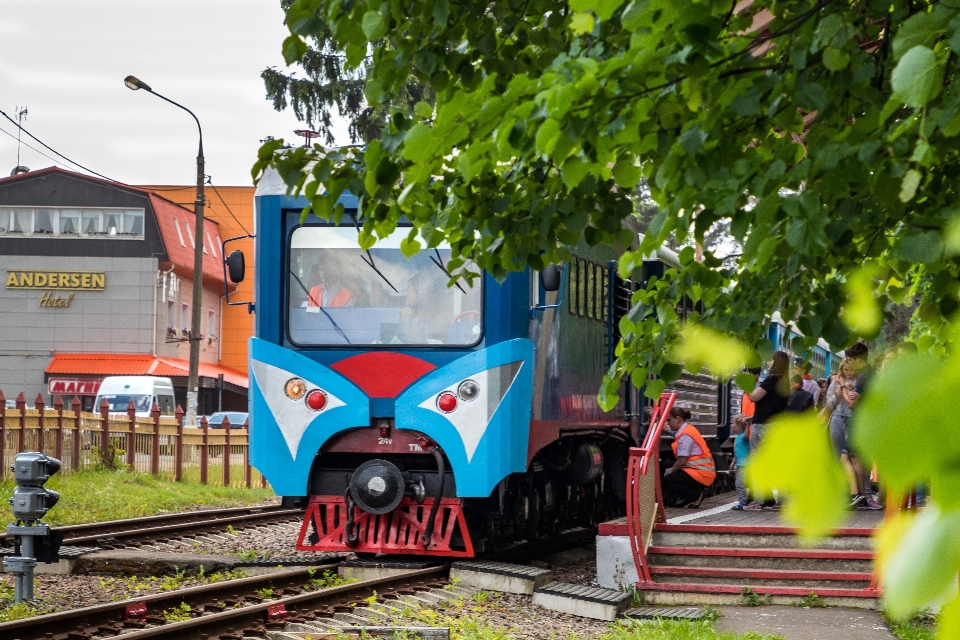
340	295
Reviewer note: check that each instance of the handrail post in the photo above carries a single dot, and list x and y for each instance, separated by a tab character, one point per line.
155	449
3	435
58	446
77	407
643	462
178	449
248	472
22	436
38	405
226	451
104	430
204	449
132	436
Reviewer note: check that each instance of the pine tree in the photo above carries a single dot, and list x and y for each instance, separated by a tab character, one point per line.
330	89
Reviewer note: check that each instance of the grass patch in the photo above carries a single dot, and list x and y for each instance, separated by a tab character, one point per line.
467	618
98	495
923	626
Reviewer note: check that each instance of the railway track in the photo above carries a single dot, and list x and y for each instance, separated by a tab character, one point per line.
231	609
116	533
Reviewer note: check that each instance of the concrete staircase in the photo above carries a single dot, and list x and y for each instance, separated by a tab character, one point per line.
716	564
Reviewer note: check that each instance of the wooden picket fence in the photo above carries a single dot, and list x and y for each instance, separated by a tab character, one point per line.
160	445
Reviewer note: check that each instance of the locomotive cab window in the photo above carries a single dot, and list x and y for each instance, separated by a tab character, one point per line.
339	295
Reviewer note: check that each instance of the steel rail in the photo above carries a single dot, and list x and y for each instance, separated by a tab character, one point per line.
89	620
183	528
168	523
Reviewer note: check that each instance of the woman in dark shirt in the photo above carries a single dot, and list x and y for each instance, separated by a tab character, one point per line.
771	398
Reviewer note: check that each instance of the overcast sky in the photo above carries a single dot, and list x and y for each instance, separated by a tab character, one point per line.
66	60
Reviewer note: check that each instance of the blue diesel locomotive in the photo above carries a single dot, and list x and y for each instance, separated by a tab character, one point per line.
419	418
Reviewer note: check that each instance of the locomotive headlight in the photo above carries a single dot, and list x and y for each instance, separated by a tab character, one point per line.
316	400
295	388
468	390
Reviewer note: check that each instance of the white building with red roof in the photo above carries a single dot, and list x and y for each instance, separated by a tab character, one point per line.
97	281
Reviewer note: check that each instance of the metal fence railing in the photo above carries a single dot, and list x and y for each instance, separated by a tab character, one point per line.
157	444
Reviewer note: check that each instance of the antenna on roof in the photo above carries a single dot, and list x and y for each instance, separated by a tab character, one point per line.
21	114
308	134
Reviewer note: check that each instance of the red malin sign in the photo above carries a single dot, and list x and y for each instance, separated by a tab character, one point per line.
73	386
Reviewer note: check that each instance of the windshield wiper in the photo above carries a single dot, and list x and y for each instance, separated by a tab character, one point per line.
369	259
439	262
324	311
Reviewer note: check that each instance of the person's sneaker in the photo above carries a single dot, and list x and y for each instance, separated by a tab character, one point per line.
872	504
775	507
753	507
857	501
737	507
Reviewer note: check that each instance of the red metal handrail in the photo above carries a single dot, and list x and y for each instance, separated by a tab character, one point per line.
644	468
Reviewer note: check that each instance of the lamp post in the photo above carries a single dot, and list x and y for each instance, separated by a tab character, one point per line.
193	381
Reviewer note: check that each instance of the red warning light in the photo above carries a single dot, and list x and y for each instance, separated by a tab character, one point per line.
316	400
447	402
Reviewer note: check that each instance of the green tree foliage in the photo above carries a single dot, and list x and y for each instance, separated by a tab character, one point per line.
823	133
329	88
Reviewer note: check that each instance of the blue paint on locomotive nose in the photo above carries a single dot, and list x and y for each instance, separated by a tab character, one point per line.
383	407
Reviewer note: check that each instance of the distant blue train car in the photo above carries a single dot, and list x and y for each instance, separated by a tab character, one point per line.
823	361
418	418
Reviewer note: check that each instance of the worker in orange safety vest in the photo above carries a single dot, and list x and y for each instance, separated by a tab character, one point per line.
327	294
684	483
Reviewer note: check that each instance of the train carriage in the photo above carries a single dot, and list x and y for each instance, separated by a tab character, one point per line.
419	418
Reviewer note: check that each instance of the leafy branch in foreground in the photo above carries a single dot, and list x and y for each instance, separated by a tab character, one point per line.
823	133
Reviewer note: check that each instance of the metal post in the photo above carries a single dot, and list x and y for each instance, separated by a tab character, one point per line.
193	380
21	437
220	392
204	449
155	449
132	436
58	447
226	451
39	404
178	450
104	430
77	407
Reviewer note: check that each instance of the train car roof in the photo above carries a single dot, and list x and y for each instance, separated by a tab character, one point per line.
271	184
778	319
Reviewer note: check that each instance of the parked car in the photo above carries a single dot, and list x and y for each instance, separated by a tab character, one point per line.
237	419
143	391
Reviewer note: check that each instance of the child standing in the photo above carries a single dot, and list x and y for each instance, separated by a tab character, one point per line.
741	452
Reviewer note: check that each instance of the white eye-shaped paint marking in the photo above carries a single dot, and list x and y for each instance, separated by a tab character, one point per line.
293	418
471	418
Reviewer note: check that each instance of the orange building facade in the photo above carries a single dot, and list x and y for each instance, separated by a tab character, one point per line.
232	209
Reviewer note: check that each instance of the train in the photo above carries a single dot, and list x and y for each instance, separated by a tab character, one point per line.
411	417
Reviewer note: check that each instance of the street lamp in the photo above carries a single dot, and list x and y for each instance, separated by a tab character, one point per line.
193	381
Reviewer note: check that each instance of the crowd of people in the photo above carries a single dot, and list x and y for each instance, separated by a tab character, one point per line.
783	389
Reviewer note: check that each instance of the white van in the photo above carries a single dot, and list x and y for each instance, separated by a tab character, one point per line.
119	391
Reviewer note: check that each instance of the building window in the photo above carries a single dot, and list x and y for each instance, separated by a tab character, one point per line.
69	222
84	223
171	318
211	326
193	245
186	318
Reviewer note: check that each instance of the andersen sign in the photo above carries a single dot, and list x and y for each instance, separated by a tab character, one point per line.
63	280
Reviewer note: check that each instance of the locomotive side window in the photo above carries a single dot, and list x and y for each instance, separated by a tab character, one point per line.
589	287
338	294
